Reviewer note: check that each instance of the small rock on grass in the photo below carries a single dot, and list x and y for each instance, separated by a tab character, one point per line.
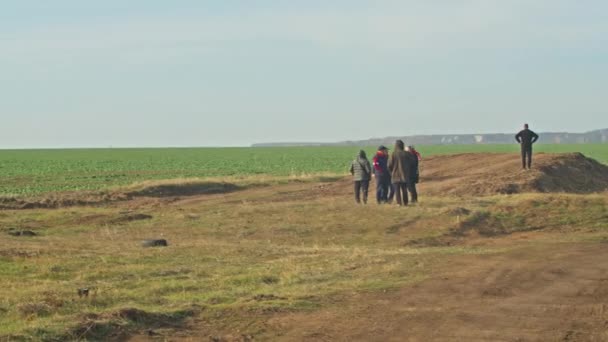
83	292
154	243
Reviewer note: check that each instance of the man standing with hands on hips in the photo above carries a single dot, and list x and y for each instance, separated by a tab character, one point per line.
526	138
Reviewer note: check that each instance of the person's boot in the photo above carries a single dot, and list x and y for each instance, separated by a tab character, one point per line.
414	199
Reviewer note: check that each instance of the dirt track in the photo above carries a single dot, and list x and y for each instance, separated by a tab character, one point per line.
559	294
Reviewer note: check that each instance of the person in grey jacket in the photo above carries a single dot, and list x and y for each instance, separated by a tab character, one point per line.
361	170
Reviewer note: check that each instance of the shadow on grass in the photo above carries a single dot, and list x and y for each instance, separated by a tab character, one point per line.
119	325
188	189
330	179
485	224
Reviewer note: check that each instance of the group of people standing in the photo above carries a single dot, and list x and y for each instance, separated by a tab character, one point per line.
396	174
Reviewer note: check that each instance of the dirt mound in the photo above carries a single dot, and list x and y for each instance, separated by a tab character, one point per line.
501	173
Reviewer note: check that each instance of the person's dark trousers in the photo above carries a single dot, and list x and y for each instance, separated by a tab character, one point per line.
379	188
526	156
382	185
391	193
361	186
411	187
388	189
401	193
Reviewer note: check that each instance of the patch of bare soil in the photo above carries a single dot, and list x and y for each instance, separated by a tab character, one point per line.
92	219
18	253
118	326
501	173
479	224
557	294
125	218
84	198
186	189
61	200
340	187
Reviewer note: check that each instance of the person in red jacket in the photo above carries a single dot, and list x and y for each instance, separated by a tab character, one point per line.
382	174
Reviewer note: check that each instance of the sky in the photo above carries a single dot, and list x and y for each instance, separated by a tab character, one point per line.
143	73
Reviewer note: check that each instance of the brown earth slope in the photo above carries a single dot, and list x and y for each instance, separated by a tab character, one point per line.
501	173
486	174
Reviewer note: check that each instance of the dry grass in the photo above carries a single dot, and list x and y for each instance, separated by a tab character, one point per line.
267	249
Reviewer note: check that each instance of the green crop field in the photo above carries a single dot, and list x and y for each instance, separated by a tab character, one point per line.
31	172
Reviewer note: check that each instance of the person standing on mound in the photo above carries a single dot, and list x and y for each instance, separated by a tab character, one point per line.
361	170
526	138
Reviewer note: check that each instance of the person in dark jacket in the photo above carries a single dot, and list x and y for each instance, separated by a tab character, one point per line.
402	165
361	170
411	185
383	176
526	138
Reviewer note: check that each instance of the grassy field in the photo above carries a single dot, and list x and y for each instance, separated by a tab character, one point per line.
236	260
31	172
239	259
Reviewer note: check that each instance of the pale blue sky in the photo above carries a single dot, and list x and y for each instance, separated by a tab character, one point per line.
77	73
